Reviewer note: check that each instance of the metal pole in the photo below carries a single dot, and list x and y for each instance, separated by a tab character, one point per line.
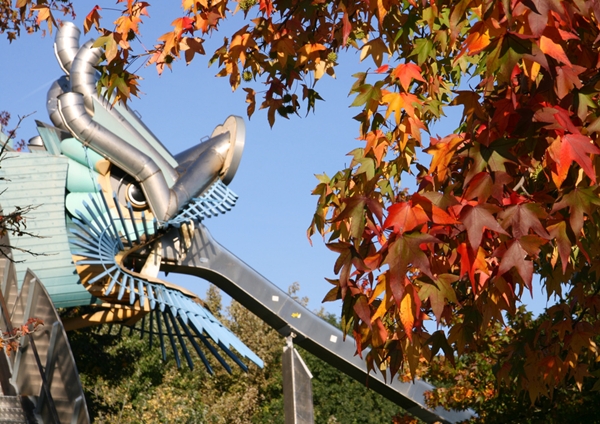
297	387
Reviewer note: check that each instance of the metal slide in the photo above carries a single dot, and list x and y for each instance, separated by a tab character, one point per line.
207	259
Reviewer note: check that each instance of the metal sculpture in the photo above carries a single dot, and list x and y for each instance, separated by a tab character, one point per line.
133	209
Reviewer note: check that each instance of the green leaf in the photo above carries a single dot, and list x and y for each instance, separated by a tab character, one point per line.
423	50
365	94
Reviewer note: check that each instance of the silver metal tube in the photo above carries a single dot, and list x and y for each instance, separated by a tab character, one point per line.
202	172
136	163
83	81
59	87
83	73
75	107
66	45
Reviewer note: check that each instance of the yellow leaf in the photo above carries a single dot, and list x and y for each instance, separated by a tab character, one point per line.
383	307
531	69
407	312
442	151
395	104
44	14
191	46
187	4
322	67
376	49
241	43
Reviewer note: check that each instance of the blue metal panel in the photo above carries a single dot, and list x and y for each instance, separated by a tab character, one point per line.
40	180
50	139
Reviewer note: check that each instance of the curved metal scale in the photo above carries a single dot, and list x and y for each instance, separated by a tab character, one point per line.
101	240
217	200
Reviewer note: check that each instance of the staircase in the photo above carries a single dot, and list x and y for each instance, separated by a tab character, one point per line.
11	411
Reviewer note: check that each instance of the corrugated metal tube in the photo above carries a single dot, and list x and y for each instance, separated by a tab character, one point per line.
121	153
66	45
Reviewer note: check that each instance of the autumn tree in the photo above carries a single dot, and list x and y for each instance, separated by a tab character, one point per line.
471	382
512	192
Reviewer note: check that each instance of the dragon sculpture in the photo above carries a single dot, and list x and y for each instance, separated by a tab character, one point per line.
116	208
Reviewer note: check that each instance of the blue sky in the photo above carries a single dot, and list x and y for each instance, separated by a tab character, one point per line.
267	228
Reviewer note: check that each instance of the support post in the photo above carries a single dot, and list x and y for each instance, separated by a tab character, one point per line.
297	387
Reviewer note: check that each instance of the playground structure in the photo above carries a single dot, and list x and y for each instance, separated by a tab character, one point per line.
119	208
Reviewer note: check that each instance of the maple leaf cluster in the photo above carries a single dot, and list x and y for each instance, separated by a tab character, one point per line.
10	340
512	192
29	15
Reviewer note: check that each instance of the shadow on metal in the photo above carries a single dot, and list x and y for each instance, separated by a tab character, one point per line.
41	376
297	387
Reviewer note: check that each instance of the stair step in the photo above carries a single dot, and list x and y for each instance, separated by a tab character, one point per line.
11	410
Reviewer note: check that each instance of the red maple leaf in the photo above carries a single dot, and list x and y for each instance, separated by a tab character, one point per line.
515	257
403	217
476	220
573	147
522	218
266	6
406	250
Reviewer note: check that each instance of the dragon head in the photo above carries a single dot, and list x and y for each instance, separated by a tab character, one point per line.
123	196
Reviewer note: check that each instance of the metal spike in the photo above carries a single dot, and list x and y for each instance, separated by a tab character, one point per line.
141	293
123	284
194	343
143	325
110	223
233	356
111	286
132	217
151	328
123	223
171	338
145	225
188	358
161	337
131	290
88	224
215	352
150	290
103	274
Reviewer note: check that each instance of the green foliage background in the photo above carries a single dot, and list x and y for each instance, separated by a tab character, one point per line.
126	382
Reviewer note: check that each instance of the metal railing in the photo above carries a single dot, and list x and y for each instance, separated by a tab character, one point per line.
42	369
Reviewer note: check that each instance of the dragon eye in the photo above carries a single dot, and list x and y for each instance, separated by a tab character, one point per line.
136	196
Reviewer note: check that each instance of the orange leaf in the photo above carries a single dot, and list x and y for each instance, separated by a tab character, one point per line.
408	310
395	104
182	25
553	50
443	151
402	217
478	39
93	18
406	72
375	48
382	69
